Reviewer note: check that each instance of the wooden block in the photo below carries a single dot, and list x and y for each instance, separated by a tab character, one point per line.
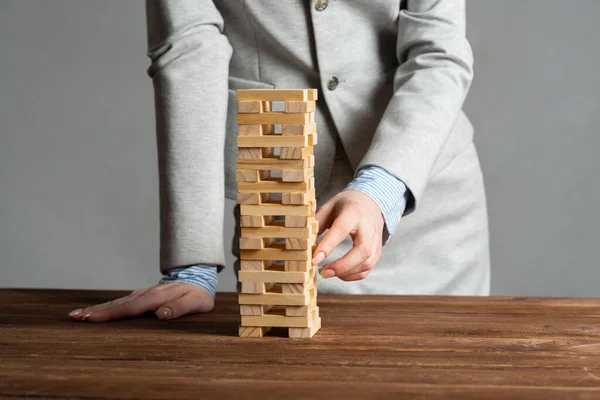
275	94
253	198
249	153
256	287
252	265
277	209
249	175
299	130
271	163
267	152
290	175
255	130
299	265
254	221
299	243
275	273
312	94
294	221
296	153
275	186
266	106
250	130
300	106
277	318
274	297
275	141
252	243
256	309
267	129
298	288
254	331
277	230
305	333
301	311
274	118
251	220
298	197
255	243
250	107
276	252
249	198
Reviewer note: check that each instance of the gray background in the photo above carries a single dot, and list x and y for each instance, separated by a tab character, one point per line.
78	206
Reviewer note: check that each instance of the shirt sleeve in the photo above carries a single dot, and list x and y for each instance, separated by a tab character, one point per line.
203	275
389	192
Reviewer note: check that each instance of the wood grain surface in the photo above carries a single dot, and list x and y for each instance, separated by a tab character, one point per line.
369	347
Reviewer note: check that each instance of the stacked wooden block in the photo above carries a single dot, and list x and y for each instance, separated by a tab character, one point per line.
276	192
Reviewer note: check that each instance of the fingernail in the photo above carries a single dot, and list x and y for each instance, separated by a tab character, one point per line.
318	258
86	316
74	313
327	273
164	313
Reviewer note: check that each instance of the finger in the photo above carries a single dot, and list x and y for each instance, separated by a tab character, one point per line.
324	216
150	300
363	269
349	263
357	277
84	313
195	301
80	313
341	227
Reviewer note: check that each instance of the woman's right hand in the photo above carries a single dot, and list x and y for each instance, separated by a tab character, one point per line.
167	301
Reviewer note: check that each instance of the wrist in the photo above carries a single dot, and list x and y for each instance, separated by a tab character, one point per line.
387	191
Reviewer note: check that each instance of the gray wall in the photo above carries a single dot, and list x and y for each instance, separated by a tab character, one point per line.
535	105
78	205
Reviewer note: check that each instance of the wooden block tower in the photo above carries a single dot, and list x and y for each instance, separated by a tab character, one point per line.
276	193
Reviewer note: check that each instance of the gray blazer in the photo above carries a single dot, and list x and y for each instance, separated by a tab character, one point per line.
392	77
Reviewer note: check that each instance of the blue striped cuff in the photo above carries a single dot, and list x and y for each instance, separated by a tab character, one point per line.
386	190
201	275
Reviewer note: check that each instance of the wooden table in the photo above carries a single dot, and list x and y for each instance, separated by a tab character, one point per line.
369	347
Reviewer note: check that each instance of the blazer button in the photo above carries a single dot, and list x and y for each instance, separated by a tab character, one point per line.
320	5
333	83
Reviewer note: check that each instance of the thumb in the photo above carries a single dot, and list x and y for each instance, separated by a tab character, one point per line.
194	301
324	216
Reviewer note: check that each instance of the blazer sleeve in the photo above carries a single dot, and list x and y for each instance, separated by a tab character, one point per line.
430	84
189	68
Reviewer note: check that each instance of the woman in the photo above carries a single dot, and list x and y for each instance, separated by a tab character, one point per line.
393	141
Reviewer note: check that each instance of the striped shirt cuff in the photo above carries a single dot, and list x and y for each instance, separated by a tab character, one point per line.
201	275
386	190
